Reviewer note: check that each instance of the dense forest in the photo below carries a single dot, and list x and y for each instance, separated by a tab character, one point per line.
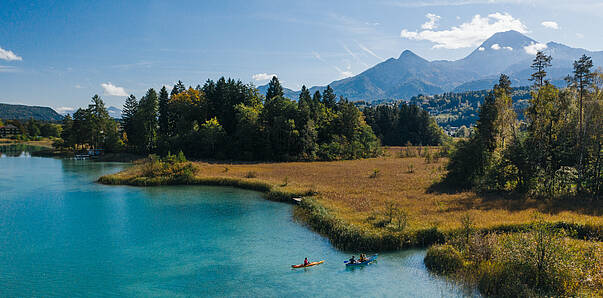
556	151
227	119
403	124
461	109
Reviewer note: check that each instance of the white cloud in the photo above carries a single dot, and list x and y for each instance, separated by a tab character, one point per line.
497	47
550	25
263	76
346	74
468	34
113	90
533	48
9	55
64	110
366	49
579	35
432	23
481	49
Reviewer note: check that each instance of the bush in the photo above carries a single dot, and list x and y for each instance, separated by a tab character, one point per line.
251	174
444	259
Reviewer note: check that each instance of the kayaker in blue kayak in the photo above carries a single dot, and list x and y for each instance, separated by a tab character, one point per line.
362	258
352	260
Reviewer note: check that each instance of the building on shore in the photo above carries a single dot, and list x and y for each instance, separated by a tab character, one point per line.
9	130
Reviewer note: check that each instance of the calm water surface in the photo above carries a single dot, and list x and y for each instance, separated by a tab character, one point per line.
61	234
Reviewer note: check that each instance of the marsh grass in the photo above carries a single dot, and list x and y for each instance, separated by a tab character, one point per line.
543	259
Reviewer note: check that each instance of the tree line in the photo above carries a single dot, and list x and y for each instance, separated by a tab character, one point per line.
403	124
33	128
227	119
555	151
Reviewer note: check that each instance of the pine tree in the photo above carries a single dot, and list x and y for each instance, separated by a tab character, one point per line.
329	98
581	79
129	120
178	88
274	89
147	113
163	113
304	105
67	133
539	65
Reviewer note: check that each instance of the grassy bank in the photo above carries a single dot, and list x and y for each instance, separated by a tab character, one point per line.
544	260
44	142
377	204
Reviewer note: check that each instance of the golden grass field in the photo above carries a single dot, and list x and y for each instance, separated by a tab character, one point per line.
347	189
46	143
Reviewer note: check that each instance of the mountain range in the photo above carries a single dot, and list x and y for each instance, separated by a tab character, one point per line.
507	52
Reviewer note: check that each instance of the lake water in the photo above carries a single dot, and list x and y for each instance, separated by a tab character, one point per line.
62	234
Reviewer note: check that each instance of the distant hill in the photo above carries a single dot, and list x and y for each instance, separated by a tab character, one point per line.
114	112
23	112
409	75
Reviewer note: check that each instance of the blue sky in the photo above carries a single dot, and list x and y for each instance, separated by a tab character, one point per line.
60	53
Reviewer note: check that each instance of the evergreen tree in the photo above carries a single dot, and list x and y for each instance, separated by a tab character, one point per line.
178	88
274	89
147	113
163	113
539	65
129	121
67	134
329	97
581	80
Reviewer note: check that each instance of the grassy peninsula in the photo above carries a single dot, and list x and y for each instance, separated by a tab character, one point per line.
388	197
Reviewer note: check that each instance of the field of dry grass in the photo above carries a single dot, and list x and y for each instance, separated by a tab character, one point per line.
354	190
46	143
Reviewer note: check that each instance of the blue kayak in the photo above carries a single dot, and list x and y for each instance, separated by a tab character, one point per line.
370	260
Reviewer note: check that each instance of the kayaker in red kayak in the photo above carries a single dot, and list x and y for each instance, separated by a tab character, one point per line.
306	262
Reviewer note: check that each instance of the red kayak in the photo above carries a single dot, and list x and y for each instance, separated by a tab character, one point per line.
309	264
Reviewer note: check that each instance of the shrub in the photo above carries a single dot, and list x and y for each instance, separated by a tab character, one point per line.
444	259
411	168
251	174
375	173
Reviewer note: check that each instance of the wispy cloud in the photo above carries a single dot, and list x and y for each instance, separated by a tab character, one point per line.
533	48
366	49
432	21
113	90
9	55
263	76
342	73
550	25
5	68
354	55
468	34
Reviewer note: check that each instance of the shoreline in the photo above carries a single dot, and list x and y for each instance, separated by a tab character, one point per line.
342	234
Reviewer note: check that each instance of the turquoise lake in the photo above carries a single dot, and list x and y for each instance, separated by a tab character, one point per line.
62	234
